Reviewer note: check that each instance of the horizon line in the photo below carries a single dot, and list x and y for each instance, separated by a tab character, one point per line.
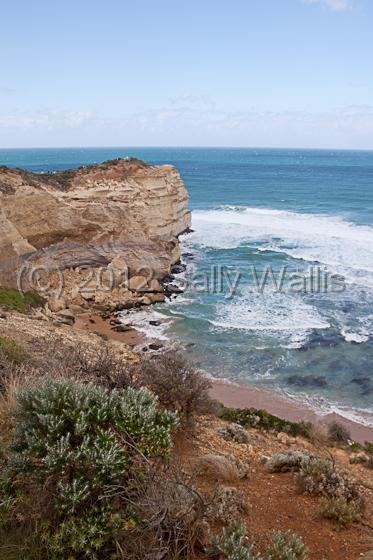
185	148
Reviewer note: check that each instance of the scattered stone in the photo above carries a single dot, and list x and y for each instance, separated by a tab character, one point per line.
101	335
155	323
76	309
123	328
155	286
87	296
156	298
3	315
172	289
91	321
178	268
155	345
137	283
124	306
234	432
145	300
57	304
65	317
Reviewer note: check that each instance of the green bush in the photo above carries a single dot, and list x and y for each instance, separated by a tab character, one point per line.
75	461
318	477
340	511
261	419
232	545
287	546
12	351
18	301
289	461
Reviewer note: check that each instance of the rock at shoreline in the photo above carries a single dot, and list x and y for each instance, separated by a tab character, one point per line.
307	380
178	268
155	345
123	328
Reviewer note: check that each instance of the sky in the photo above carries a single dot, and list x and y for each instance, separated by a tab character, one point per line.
256	73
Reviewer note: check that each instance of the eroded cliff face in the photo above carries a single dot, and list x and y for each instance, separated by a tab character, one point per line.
122	213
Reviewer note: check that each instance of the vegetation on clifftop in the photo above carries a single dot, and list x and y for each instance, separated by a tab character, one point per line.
11	298
91	463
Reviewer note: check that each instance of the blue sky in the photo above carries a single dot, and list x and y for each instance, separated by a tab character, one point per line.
286	73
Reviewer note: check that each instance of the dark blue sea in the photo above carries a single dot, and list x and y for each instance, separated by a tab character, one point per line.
279	283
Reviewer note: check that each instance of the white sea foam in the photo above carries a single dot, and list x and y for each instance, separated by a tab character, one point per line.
271	312
140	320
323	407
356	337
344	247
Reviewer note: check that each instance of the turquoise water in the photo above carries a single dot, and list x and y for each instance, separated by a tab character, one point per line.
259	210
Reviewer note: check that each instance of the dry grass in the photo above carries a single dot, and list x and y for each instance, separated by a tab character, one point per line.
178	384
219	468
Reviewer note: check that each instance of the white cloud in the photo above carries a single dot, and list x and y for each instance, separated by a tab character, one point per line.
47	119
334	5
194	124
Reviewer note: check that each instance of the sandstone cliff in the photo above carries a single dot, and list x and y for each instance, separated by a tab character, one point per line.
116	215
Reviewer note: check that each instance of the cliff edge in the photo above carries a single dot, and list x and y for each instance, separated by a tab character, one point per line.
117	219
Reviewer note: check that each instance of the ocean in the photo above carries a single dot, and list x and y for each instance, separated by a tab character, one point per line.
279	279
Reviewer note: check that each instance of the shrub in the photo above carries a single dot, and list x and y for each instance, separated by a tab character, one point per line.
101	365
318	477
228	505
284	462
18	301
231	545
234	432
172	512
261	419
177	383
219	467
338	433
287	546
72	460
12	351
340	511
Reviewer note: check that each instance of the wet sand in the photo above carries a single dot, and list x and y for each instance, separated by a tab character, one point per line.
239	396
91	322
